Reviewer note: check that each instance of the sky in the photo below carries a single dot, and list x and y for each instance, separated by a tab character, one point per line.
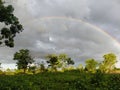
82	29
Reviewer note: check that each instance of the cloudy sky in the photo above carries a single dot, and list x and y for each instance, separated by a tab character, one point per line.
80	28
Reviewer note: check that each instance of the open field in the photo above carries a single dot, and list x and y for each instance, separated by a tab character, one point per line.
68	80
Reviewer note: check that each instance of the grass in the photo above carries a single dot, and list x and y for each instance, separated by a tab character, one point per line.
69	80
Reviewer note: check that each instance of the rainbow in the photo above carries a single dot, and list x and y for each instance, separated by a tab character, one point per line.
75	20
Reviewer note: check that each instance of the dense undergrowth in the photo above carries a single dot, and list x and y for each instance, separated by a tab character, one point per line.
68	80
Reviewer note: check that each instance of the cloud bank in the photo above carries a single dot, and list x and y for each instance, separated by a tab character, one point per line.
59	35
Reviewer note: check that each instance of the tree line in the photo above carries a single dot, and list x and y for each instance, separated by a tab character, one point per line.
62	62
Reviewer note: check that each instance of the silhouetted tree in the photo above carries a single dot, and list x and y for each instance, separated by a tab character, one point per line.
9	25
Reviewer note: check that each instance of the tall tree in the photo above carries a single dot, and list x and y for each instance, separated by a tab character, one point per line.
9	25
109	62
91	65
23	58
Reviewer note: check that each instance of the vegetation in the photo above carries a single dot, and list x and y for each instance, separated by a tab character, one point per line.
23	58
68	80
58	74
58	61
42	67
91	65
10	23
90	77
109	62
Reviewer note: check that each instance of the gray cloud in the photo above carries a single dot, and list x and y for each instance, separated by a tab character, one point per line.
42	8
106	11
65	35
79	41
105	14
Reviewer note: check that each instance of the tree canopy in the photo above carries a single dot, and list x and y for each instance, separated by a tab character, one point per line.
23	58
109	62
59	61
91	65
9	25
52	61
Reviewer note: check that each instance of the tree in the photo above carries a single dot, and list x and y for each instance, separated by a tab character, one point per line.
65	61
59	61
23	58
91	65
52	61
70	61
9	26
109	62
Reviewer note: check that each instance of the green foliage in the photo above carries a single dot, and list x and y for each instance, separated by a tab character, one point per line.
68	80
65	60
32	69
42	68
108	63
10	23
59	61
91	65
1	72
52	61
80	67
23	58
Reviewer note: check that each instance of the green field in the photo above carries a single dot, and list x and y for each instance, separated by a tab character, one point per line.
68	80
